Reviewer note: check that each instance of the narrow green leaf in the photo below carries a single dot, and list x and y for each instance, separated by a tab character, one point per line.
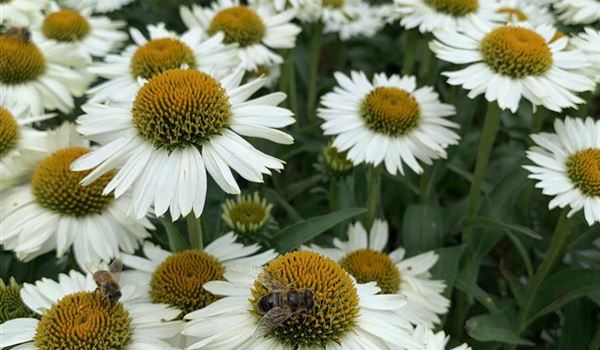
495	223
447	266
294	235
176	240
516	287
522	252
274	196
496	327
577	325
302	186
476	292
422	229
563	287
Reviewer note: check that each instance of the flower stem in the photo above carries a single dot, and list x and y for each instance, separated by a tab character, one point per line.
283	77
583	110
315	54
334	202
595	343
411	46
554	254
194	228
373	188
291	75
424	186
429	63
537	121
334	195
491	125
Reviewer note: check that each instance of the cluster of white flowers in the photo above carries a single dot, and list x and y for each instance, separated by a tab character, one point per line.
164	110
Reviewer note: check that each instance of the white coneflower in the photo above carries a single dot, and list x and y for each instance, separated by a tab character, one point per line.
387	121
435	341
337	162
182	124
101	6
11	304
514	61
522	11
161	51
178	279
246	214
578	11
72	314
588	42
344	314
567	166
21	13
38	74
430	15
21	146
256	30
359	19
93	35
363	257
306	10
55	212
270	73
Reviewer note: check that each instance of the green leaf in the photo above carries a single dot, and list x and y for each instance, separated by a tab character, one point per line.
563	287
274	196
476	292
485	186
522	252
422	229
577	325
516	287
302	186
294	235
495	223
176	240
497	327
447	266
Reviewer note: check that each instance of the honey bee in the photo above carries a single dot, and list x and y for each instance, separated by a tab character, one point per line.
108	281
19	32
280	303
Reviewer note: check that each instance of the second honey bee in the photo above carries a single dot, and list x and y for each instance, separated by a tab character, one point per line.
19	32
108	281
280	303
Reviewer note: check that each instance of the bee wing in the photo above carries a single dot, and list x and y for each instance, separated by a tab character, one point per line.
91	268
269	280
271	320
115	268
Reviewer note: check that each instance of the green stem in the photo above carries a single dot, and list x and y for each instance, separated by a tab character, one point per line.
554	254
433	71
410	51
429	63
283	78
373	187
334	195
424	186
537	120
315	54
291	74
334	202
491	125
583	109
194	229
595	343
